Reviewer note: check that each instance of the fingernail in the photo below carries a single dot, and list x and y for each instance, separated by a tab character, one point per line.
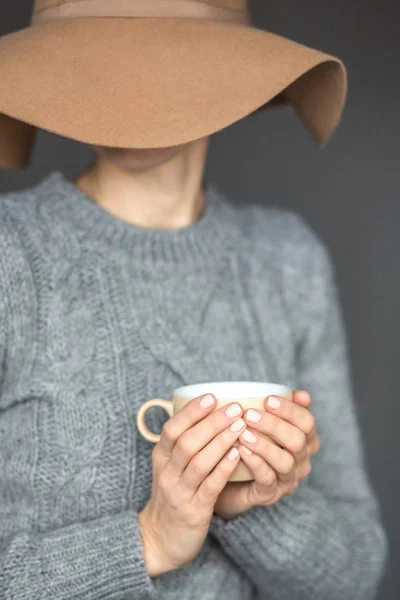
237	425
207	401
253	416
273	402
249	436
246	450
233	454
233	411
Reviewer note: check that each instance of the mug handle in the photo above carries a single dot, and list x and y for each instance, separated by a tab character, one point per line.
144	430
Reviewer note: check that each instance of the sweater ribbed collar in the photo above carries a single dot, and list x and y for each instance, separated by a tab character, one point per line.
214	234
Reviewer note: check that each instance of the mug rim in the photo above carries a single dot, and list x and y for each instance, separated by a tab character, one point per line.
206	386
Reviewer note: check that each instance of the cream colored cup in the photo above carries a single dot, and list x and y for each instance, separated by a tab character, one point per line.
249	394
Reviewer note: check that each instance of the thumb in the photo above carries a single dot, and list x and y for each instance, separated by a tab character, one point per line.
302	398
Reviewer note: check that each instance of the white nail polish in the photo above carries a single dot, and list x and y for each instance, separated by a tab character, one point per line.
246	450
233	454
207	401
237	425
273	402
233	411
253	416
249	436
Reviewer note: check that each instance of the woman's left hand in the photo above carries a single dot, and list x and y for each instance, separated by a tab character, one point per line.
277	465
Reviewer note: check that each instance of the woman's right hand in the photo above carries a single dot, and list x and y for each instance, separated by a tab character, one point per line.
191	463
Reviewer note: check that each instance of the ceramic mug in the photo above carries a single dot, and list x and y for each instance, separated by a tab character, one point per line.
249	394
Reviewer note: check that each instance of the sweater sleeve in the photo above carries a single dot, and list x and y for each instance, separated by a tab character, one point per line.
96	560
326	540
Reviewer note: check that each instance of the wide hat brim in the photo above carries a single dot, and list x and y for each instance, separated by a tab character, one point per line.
155	82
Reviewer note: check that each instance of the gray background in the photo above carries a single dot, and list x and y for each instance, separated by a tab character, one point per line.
348	192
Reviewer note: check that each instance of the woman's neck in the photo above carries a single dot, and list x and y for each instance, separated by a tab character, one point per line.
165	196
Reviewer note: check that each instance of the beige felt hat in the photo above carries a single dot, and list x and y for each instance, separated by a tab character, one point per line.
154	73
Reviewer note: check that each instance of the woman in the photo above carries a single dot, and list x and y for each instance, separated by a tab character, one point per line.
140	276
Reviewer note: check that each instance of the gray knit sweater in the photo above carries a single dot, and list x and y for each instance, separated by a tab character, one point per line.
97	316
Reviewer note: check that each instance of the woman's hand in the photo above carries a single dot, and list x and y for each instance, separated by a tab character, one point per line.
192	463
278	461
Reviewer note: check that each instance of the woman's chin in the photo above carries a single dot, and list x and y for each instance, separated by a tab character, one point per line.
137	163
138	158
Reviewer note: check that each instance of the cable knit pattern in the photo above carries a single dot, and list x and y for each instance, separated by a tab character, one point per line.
97	316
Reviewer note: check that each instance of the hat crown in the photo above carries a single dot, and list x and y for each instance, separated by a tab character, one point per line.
231	10
231	4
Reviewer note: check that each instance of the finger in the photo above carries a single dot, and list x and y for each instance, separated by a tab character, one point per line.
302	398
263	473
302	455
212	486
281	461
197	437
291	412
193	412
304	469
206	459
286	435
314	444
